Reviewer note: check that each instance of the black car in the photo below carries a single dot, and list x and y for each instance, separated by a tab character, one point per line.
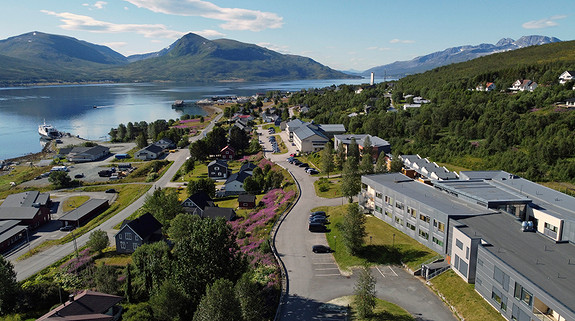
79	175
111	190
312	171
321	249
296	162
303	165
319	220
318	213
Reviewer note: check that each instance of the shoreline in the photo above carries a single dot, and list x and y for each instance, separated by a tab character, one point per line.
48	149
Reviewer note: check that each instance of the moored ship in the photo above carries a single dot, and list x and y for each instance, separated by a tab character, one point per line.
48	131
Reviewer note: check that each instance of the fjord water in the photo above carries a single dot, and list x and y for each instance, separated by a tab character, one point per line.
71	109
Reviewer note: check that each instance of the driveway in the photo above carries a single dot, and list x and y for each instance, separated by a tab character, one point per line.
313	279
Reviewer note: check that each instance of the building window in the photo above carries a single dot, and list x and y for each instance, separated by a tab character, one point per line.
479	262
378	209
523	295
424	218
388	200
411	226
467	253
123	245
134	246
120	236
437	241
423	234
128	236
399	205
439	226
459	244
388	213
378	195
478	281
501	278
411	211
550	227
398	220
499	299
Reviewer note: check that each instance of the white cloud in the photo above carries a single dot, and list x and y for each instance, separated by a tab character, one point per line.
84	23
209	33
401	41
234	18
117	44
543	23
97	5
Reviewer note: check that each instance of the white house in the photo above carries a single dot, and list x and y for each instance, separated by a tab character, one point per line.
235	183
566	76
149	152
309	139
87	154
523	85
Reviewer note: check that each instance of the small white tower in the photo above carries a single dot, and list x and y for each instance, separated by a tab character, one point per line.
372	79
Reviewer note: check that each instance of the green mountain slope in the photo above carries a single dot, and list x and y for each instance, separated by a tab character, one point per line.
54	58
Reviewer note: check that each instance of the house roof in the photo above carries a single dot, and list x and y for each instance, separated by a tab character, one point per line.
202	200
93	151
332	128
152	148
228	147
375	141
144	225
308	131
215	212
18	213
425	194
220	162
249	166
239	176
83	210
26	199
540	260
165	141
86	303
247	198
9	228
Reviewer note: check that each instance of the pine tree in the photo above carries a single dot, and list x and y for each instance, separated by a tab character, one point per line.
219	303
365	293
350	179
353	229
327	164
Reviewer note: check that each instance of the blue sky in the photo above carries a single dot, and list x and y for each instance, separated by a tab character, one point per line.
342	34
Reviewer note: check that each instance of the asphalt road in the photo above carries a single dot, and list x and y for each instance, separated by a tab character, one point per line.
313	280
26	268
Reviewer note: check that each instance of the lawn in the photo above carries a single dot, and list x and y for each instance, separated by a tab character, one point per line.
232	202
383	311
328	188
110	257
384	244
127	194
468	303
18	175
74	202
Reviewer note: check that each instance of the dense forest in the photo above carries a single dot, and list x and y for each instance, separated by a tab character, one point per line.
526	133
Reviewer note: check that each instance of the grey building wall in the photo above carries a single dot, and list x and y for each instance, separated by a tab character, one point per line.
127	241
496	279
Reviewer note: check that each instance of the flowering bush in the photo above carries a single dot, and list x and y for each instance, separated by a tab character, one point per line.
78	264
253	231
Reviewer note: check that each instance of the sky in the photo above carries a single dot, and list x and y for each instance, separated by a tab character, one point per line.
342	34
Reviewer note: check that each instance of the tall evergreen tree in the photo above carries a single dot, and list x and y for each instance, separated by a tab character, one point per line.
381	164
250	298
327	163
353	151
8	286
365	293
340	156
353	229
350	179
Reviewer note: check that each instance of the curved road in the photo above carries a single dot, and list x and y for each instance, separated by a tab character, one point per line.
313	279
26	268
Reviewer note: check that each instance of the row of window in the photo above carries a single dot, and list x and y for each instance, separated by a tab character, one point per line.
128	237
123	245
438	225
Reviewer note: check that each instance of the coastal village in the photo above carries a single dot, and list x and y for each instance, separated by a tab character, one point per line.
257	162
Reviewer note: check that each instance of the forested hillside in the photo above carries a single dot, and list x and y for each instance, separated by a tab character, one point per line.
525	133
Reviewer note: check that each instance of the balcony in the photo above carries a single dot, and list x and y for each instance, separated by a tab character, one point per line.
543	312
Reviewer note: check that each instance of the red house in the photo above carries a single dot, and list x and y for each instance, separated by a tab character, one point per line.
247	201
228	153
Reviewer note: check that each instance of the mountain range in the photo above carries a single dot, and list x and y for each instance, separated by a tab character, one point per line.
452	55
38	57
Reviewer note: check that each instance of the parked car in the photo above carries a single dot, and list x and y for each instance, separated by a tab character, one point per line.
312	171
319	219
67	228
321	249
79	175
111	190
316	213
303	165
316	227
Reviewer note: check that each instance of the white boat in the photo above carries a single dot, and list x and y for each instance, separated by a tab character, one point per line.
48	131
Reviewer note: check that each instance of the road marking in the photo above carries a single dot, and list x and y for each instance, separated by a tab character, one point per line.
324	263
327	269
392	271
328	274
377	268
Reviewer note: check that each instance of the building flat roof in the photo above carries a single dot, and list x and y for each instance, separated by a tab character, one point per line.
9	228
481	190
547	264
18	213
425	194
359	138
26	199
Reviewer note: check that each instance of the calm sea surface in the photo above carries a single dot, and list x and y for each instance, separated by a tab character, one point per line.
71	108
